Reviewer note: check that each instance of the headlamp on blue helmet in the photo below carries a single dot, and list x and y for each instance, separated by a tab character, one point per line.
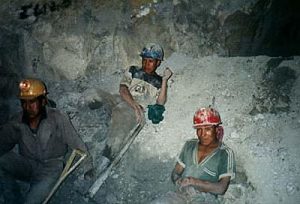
153	50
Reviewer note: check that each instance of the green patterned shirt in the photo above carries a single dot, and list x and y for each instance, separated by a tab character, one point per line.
218	164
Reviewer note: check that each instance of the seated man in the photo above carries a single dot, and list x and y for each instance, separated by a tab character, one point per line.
205	165
43	136
141	87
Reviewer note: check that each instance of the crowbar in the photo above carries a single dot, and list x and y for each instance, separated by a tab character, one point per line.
98	183
66	171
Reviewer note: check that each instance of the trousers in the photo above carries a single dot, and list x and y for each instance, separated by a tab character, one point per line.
123	120
41	177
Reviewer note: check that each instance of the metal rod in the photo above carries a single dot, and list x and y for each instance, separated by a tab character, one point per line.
100	180
66	171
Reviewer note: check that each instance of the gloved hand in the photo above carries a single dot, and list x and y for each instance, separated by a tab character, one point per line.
155	113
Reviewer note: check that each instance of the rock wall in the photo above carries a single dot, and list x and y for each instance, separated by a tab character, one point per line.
78	47
265	141
64	39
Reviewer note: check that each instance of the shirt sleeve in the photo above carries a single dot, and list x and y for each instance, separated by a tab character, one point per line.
74	141
8	138
182	156
71	137
127	78
227	165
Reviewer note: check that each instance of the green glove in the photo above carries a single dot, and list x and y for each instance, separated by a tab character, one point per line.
155	113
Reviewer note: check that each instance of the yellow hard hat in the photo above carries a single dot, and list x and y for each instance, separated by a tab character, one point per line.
31	88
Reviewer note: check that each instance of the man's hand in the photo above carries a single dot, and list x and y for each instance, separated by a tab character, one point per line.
126	96
167	73
188	181
178	182
139	113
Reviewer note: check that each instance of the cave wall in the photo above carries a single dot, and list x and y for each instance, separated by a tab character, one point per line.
69	39
270	28
86	41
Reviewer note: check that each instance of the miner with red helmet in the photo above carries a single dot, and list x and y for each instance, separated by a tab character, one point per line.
205	165
209	116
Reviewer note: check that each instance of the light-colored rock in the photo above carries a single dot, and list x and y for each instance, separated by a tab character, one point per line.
69	64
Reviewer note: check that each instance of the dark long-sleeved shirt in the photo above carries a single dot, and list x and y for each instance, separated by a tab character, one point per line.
51	141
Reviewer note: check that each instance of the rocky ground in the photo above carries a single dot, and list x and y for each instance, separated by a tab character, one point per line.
81	47
258	98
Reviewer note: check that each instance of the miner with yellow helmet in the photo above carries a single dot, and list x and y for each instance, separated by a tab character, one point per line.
33	96
31	88
43	135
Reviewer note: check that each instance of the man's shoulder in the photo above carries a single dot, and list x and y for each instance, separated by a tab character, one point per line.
134	69
153	79
14	119
55	113
226	149
129	74
136	72
223	146
191	142
16	116
188	148
140	76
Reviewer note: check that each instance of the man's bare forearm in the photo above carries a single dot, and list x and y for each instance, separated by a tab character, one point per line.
176	173
175	176
162	98
219	187
126	96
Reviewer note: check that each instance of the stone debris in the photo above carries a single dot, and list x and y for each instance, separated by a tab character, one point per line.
81	48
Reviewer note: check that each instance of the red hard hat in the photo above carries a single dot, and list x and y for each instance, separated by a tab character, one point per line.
206	116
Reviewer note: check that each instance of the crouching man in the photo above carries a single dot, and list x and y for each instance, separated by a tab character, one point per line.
205	165
43	136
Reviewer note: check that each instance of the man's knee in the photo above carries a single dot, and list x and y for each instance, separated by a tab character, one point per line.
122	122
9	189
2	174
123	115
40	190
4	162
16	166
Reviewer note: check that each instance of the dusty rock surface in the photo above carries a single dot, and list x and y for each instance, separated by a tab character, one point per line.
81	47
64	39
265	141
265	144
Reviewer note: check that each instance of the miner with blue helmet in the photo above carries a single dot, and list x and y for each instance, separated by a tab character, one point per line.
140	88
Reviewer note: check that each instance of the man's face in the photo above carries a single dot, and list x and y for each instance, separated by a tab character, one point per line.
207	135
150	65
32	108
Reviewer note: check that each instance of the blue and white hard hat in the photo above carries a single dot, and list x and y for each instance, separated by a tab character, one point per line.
153	50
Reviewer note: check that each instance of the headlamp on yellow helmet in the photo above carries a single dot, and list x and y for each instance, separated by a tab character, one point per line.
31	88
